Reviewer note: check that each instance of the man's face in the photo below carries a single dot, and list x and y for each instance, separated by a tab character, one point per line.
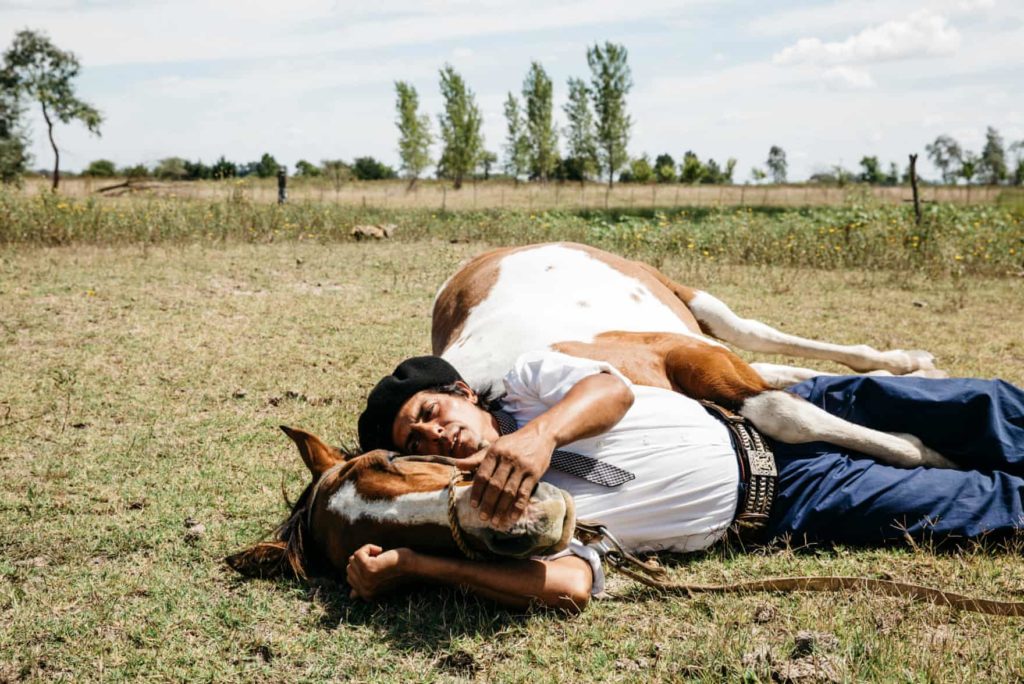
443	425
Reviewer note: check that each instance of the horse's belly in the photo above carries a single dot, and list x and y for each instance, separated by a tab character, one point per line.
548	295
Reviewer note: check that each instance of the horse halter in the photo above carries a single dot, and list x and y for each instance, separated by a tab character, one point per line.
453	514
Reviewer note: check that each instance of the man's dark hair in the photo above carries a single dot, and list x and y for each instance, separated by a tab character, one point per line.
487	399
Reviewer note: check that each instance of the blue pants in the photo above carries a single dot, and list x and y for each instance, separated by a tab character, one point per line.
828	494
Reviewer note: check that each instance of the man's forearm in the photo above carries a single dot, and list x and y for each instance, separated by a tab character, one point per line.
593	406
564	583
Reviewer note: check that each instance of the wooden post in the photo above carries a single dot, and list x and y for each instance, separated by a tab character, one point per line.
282	184
913	187
444	198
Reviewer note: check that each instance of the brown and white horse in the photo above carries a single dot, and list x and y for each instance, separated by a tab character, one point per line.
392	501
588	303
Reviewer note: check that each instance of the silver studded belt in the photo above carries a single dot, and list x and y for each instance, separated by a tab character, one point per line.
757	470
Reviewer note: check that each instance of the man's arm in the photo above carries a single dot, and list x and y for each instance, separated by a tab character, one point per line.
563	583
511	467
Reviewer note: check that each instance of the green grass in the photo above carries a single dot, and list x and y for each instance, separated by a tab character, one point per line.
142	385
951	240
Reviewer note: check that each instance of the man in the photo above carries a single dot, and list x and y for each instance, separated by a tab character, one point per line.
688	483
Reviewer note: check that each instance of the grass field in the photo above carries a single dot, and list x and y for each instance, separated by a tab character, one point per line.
141	388
503	194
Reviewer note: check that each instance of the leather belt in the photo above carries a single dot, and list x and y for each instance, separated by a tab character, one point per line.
758	473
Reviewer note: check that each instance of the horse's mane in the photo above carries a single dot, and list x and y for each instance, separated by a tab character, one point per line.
286	551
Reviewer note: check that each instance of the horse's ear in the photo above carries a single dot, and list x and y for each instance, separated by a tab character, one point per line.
317	456
266	559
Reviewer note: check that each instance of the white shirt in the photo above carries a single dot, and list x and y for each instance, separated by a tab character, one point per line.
685	493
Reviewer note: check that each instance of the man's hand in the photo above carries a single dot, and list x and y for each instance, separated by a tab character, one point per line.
507	473
372	571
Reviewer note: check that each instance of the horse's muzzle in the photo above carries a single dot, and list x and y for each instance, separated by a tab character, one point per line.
545	528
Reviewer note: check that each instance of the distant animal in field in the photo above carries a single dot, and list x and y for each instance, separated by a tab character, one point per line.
374	232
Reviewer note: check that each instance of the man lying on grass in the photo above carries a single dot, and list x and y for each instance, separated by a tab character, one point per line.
690	479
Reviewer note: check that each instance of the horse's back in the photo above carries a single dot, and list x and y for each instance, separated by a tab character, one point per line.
511	301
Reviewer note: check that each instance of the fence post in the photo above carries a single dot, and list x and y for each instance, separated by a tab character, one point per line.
282	184
913	187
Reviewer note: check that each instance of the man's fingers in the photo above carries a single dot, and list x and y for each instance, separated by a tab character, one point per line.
509	492
493	489
483	475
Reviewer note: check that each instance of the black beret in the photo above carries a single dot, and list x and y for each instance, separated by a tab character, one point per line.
386	399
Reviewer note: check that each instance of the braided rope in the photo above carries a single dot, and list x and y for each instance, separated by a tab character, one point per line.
453	519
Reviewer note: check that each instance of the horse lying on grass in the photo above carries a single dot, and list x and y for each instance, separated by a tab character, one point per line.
592	305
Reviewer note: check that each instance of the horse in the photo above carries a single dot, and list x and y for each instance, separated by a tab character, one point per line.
382	498
589	303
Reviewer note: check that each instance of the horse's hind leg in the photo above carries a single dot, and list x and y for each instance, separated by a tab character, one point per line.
780	377
705	371
718	320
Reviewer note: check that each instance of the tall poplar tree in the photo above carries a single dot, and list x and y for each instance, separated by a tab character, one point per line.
540	126
41	71
581	144
517	144
413	132
460	128
992	165
610	81
777	164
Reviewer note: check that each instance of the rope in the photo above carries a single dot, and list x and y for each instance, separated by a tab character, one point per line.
453	519
655	577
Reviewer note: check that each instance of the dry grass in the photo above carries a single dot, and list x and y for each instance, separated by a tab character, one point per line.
142	386
501	194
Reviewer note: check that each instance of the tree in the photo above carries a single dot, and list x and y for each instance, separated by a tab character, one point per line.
170	168
872	170
992	165
266	167
777	164
947	156
712	173
413	132
610	81
222	168
730	169
368	169
691	170
640	171
487	161
1017	149
757	174
337	172
517	145
306	169
581	152
460	128
134	172
35	67
969	166
665	168
197	170
893	177
540	127
101	168
14	157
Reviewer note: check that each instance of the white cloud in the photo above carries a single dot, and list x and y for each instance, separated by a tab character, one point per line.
847	77
921	34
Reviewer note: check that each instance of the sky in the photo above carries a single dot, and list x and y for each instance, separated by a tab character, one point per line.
827	81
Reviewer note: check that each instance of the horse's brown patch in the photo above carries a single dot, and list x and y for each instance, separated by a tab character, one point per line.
698	369
460	295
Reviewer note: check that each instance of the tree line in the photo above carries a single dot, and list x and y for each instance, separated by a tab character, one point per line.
596	134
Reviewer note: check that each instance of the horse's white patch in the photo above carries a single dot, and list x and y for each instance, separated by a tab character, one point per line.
535	303
418	508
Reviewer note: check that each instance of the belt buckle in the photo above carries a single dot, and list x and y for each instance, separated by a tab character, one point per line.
762	463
